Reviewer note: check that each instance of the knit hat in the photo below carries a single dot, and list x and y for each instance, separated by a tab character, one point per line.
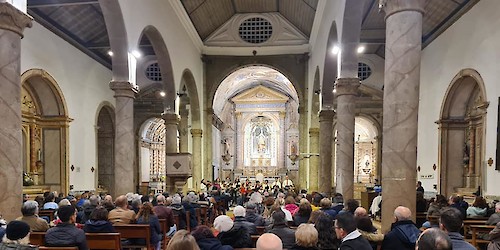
223	223
17	230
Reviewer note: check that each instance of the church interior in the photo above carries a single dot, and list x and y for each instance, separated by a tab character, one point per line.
121	96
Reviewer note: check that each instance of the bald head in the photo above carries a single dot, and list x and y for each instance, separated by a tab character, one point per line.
402	213
269	241
160	199
360	212
121	201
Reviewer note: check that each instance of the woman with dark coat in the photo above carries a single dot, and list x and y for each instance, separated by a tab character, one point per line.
326	233
206	239
304	212
146	215
98	222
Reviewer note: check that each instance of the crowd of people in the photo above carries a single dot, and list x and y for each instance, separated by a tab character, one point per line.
291	220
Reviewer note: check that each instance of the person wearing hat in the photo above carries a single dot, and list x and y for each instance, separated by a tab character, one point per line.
65	233
17	236
179	211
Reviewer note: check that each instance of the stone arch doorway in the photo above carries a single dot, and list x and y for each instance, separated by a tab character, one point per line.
366	151
152	173
248	95
106	149
462	131
45	124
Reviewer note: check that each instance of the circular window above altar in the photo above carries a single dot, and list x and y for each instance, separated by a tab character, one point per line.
255	30
153	72
364	71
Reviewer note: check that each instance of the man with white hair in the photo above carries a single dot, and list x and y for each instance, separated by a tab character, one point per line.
495	218
269	241
241	222
164	212
30	216
403	234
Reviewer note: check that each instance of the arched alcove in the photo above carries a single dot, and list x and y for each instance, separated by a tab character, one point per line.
45	131
243	102
152	155
462	129
106	149
366	144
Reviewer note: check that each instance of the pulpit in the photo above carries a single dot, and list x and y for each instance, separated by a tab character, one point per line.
179	169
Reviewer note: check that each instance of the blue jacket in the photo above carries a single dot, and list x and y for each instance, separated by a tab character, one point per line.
458	242
403	235
154	225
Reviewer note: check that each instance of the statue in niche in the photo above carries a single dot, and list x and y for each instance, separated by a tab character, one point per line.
261	135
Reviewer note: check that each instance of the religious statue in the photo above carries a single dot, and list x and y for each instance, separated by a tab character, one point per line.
261	143
261	135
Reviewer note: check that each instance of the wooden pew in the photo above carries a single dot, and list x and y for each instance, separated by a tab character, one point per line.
479	229
47	212
164	230
188	221
103	240
57	248
37	238
421	217
261	230
135	231
467	227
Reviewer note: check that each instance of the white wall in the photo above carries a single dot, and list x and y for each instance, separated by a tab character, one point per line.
84	83
472	42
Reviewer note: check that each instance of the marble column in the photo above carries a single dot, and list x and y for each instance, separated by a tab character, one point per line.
196	157
124	138
313	159
347	89
183	131
325	142
401	98
11	170
171	122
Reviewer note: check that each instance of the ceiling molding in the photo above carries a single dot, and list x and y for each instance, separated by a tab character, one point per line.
188	25
261	51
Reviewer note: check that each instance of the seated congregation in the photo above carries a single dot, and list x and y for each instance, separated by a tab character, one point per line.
259	220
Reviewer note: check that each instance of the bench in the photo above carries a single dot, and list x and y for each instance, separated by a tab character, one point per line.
476	231
57	248
135	231
47	212
467	223
103	240
37	238
164	230
261	230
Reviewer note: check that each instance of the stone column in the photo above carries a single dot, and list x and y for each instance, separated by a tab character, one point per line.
171	122
313	159
347	89
12	25
401	98
283	150
196	157
124	139
325	141
183	131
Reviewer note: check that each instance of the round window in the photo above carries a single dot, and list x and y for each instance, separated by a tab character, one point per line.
255	30
364	71
153	72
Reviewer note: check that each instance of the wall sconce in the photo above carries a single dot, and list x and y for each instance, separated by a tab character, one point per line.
183	92
434	167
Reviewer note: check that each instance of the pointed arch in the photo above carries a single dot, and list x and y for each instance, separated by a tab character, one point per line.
105	129
194	101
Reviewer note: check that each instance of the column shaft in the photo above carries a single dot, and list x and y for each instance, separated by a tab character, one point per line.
313	159
401	96
325	141
11	169
196	157
124	139
171	122
346	97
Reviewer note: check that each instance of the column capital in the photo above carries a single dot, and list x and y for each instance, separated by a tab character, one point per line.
13	19
347	86
391	7
313	131
326	115
123	89
196	132
170	118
